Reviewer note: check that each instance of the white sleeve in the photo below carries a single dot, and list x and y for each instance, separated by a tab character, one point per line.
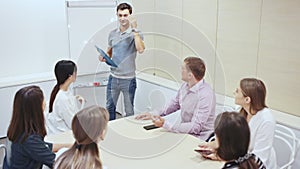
263	141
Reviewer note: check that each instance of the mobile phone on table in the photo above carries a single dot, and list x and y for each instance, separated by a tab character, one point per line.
150	127
203	151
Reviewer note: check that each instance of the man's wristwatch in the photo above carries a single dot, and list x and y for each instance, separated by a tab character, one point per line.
135	30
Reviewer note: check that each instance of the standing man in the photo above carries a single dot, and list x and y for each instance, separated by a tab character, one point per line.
195	99
123	44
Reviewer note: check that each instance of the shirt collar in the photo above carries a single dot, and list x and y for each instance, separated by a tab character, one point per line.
128	30
197	86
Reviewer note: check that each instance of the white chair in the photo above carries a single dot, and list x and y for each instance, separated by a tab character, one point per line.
3	152
285	144
221	108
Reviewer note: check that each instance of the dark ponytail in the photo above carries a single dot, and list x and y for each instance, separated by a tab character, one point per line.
63	70
52	97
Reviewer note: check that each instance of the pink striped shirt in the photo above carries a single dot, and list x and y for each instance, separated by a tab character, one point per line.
197	105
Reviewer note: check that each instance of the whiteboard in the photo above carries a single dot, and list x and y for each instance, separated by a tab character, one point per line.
33	37
85	23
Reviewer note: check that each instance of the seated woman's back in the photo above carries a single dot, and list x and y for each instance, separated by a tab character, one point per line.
63	104
26	132
89	127
64	108
233	137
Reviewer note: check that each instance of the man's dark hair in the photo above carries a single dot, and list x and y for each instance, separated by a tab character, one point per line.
196	66
124	6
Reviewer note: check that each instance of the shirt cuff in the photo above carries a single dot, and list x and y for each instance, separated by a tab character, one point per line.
167	125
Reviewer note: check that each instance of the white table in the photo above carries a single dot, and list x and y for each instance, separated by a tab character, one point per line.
128	145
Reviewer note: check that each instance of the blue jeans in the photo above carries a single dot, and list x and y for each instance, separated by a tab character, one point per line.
114	87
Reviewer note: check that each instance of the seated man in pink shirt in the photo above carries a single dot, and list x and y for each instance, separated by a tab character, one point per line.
195	99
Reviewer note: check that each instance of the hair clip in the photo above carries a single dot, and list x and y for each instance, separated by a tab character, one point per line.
78	146
244	158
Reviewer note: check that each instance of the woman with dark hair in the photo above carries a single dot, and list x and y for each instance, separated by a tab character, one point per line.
26	132
233	136
63	104
89	127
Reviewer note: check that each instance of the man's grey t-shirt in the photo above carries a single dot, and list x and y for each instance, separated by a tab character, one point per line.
123	52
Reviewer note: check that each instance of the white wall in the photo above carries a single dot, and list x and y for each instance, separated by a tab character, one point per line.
251	38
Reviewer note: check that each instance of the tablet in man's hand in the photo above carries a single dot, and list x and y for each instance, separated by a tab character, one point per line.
106	57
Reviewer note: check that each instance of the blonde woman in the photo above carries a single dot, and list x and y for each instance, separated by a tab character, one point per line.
89	127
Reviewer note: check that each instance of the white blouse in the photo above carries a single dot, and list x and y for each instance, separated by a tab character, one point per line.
65	106
262	128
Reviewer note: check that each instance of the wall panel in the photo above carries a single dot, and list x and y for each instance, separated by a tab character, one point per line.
279	60
237	42
254	38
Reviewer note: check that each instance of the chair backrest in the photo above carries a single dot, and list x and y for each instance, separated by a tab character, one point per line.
221	108
285	144
2	155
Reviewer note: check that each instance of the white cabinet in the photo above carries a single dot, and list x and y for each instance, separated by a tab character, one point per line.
148	96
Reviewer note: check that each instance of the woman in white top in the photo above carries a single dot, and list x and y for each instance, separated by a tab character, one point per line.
63	104
251	96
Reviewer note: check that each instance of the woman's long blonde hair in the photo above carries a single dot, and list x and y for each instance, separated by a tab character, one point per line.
88	127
